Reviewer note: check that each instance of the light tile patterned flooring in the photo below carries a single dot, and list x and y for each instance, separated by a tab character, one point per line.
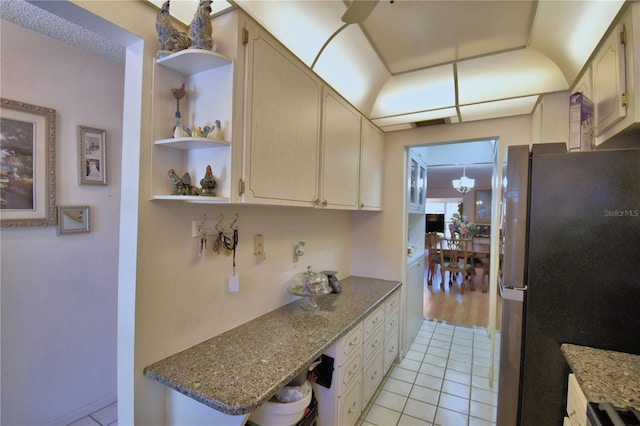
107	416
443	380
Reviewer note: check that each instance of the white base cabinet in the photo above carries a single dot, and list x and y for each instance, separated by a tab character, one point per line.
576	404
361	360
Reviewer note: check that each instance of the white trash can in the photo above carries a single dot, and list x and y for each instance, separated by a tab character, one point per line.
276	413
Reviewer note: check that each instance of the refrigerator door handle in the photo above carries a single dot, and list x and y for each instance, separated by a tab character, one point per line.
514	293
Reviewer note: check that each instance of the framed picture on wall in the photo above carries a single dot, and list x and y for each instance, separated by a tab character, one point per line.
73	219
92	158
483	207
27	164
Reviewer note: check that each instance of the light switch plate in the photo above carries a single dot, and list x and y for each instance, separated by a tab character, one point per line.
259	246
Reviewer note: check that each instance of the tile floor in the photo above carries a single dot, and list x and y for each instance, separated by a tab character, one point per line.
443	380
107	416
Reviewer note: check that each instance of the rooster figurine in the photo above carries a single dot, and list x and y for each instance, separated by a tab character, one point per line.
171	39
200	28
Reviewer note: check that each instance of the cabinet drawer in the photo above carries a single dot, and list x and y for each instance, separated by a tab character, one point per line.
392	304
351	405
576	402
374	320
352	342
373	345
391	323
351	371
372	377
390	350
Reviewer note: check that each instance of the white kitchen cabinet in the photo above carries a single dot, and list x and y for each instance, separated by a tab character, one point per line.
360	363
417	184
371	166
391	330
576	404
615	72
200	71
282	155
415	297
340	153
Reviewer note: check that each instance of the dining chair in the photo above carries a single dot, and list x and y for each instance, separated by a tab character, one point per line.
456	258
433	258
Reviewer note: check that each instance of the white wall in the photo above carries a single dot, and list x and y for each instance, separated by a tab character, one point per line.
59	292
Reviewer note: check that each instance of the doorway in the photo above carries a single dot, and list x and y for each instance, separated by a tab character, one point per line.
446	162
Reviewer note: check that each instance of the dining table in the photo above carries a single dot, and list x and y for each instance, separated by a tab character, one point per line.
478	250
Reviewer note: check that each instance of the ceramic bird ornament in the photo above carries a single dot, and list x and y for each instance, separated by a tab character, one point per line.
171	39
200	28
208	183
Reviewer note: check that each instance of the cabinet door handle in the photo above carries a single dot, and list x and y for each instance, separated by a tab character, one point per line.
324	203
316	202
362	205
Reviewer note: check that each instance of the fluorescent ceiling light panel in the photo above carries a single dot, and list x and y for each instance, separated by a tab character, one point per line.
427	89
504	108
579	24
302	26
351	67
505	75
184	10
418	116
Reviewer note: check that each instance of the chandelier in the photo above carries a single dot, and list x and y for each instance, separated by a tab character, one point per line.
464	184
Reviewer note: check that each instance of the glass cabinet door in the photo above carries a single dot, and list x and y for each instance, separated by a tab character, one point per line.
422	186
413	183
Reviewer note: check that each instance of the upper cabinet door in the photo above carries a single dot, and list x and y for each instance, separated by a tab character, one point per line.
609	84
282	127
371	167
340	153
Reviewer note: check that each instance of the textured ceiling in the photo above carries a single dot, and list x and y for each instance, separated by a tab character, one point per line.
27	15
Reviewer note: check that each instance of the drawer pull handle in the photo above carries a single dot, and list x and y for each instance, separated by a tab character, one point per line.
353	408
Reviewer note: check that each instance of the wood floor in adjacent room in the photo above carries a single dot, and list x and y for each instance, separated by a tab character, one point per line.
471	308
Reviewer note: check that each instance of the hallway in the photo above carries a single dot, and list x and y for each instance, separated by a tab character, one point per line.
443	380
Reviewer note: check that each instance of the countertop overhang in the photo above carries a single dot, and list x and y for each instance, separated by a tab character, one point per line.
606	376
240	369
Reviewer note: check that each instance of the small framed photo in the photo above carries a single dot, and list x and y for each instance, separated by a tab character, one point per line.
92	145
73	219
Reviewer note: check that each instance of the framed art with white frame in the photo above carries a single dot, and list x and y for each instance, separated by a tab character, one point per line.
92	159
27	164
73	219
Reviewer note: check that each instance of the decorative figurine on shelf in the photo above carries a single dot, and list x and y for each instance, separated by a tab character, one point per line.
208	183
182	184
171	39
200	28
179	130
198	133
216	132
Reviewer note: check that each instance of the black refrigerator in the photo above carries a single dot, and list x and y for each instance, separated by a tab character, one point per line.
570	270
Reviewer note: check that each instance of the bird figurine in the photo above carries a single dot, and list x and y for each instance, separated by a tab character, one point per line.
200	28
171	39
177	95
182	184
216	132
208	183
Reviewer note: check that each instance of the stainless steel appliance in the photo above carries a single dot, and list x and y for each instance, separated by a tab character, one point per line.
570	270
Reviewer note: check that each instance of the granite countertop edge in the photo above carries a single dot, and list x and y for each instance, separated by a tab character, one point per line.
215	372
604	375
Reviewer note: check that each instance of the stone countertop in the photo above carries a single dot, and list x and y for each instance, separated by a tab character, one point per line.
240	369
606	376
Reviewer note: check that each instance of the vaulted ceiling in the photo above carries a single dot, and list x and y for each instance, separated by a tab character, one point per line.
417	62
